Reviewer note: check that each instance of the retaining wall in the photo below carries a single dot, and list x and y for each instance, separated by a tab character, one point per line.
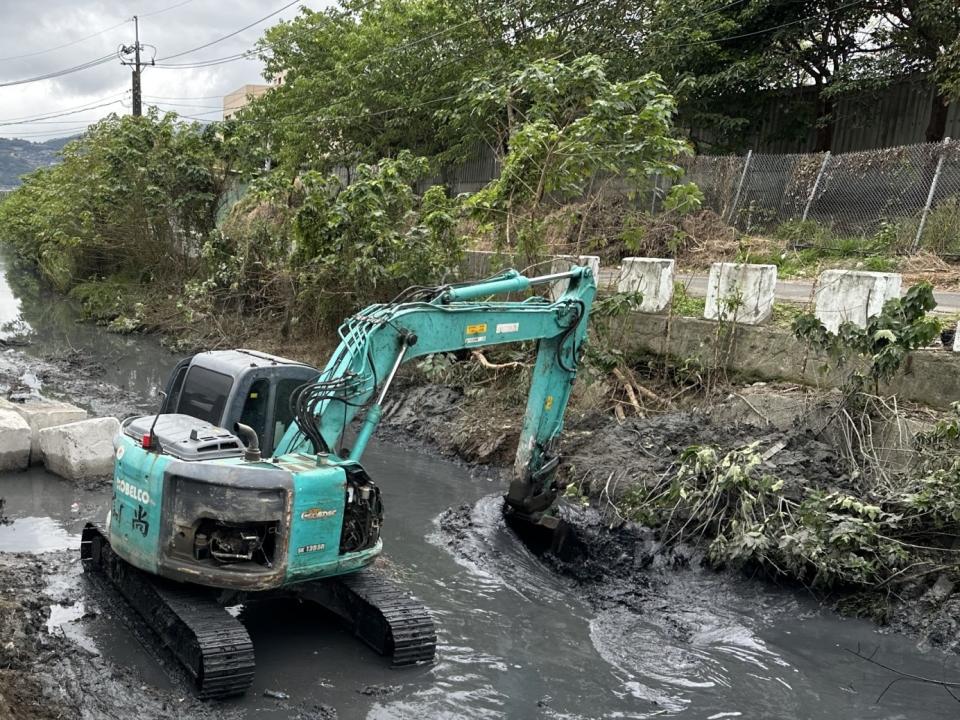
930	377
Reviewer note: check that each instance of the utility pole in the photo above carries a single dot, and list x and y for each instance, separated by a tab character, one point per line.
136	64
137	110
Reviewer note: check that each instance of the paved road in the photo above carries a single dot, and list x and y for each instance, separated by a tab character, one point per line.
791	291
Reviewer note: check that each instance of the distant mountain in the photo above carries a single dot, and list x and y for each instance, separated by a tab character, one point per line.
18	157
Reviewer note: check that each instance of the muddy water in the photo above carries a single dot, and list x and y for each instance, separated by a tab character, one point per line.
516	639
33	313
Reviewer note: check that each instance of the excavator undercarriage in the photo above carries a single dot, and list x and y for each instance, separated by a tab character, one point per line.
213	646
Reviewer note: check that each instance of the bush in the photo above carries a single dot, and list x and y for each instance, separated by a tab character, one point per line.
133	195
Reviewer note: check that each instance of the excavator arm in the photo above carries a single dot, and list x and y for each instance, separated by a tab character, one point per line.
424	321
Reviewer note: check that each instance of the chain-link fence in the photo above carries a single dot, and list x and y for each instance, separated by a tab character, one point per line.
901	199
891	200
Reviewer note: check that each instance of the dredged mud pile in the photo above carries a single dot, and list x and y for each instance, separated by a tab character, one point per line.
610	457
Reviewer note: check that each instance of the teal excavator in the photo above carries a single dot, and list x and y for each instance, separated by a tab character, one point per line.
241	488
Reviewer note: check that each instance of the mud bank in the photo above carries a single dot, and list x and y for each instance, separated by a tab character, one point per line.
73	375
605	458
46	675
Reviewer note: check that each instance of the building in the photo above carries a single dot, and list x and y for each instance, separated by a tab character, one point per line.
240	98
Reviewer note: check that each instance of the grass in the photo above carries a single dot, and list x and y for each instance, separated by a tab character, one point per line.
684	304
785	313
802	249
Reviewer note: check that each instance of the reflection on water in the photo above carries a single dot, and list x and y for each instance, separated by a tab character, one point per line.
36	534
10	321
50	322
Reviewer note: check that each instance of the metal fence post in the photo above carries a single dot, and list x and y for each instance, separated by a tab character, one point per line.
816	185
736	195
933	191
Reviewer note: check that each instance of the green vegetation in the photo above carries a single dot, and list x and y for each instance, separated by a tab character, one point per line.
130	199
805	248
880	527
876	352
817	536
577	124
132	209
363	80
684	304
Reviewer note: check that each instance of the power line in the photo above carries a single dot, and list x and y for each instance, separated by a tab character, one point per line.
208	63
81	106
166	9
187	105
51	134
91	35
65	45
192	97
59	73
63	114
230	35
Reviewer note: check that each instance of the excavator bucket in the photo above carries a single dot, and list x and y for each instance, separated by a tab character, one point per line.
549	534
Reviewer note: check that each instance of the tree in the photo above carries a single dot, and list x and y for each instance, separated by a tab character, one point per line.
923	36
364	80
132	195
567	127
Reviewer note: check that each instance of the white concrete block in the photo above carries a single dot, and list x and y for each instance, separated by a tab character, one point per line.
564	263
652	278
80	450
741	293
956	339
853	296
14	441
592	262
42	413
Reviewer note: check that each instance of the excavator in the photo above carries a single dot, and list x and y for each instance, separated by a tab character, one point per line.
242	486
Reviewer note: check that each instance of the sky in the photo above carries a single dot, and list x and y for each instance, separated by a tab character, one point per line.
40	37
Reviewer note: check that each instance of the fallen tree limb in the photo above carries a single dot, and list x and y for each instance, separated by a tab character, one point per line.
481	358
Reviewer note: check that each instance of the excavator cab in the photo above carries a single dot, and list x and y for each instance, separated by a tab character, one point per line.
223	387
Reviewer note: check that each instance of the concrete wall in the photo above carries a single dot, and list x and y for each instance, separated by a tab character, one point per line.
931	377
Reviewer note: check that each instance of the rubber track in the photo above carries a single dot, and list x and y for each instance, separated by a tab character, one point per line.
211	645
413	634
381	613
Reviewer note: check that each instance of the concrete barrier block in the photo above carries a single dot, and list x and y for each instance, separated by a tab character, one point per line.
14	441
956	338
740	292
42	413
80	450
853	296
564	263
652	278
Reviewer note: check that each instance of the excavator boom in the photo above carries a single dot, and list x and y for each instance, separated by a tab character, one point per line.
375	342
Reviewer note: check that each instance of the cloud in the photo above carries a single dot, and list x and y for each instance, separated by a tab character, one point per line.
167	27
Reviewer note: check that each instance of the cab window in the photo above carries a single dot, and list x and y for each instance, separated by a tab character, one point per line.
204	394
176	385
254	411
282	415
